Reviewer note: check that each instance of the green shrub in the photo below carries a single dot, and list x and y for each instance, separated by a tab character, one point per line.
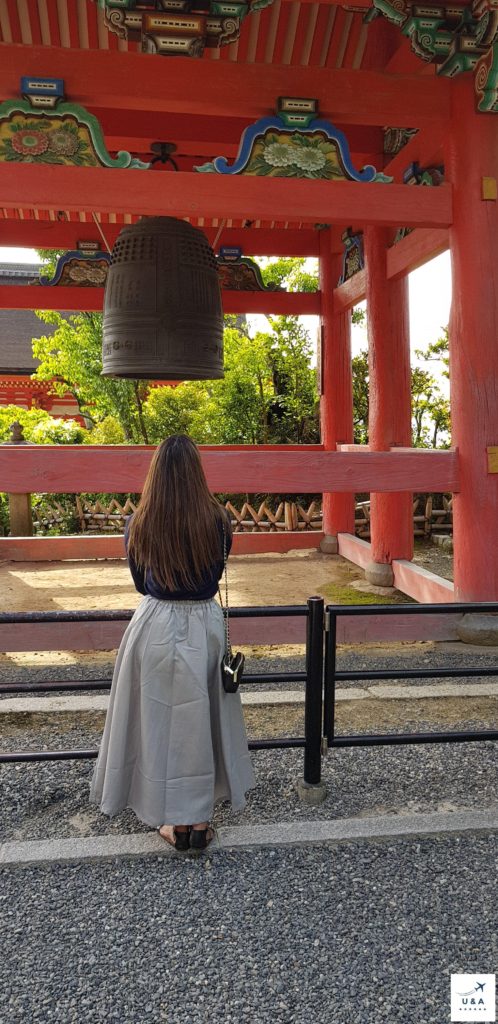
58	431
28	418
108	431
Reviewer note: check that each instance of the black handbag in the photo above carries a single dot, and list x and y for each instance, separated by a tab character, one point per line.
232	665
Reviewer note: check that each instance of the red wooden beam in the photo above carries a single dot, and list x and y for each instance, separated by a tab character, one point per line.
411	252
350	293
132	81
416	249
197	134
223	196
92	299
48	234
48	469
425	148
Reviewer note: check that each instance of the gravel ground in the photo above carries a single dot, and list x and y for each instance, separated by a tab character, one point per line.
422	655
358	933
430	556
50	799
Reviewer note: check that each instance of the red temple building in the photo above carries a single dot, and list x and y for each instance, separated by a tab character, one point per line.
17	329
363	132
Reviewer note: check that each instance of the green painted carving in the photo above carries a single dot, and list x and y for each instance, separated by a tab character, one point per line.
486	80
458	39
66	134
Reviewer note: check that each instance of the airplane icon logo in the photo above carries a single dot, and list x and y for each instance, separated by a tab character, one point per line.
478	988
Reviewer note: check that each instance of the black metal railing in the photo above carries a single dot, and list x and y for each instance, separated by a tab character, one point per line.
319	678
332	676
312	678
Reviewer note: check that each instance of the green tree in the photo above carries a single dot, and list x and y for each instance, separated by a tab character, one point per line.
268	394
430	411
108	431
437	351
49	259
233	410
183	409
71	358
430	408
290	273
360	397
294	410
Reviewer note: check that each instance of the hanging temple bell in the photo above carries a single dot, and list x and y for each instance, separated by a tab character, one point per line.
163	317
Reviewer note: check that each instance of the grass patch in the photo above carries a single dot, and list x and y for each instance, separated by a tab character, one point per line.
340	593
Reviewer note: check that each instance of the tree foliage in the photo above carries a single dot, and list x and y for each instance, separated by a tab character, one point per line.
268	394
295	274
430	408
71	358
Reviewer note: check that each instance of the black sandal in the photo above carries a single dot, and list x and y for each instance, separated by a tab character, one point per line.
182	840
200	838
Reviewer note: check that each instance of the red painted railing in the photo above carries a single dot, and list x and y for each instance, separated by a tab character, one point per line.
290	469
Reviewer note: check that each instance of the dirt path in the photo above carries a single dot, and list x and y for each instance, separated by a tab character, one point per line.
256	579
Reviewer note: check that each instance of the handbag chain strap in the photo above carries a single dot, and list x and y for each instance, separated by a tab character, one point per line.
225	609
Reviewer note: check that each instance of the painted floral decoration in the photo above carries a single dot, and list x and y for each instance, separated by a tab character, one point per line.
64	142
295	156
29	143
46	141
278	155
67	135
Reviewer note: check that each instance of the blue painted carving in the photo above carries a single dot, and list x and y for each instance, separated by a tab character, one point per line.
80	269
316	150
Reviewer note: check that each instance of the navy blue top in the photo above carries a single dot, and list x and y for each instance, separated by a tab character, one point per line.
146	584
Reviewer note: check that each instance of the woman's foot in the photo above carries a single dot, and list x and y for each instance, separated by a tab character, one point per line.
176	835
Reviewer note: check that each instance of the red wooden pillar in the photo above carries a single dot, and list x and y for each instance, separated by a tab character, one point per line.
391	516
336	400
472	165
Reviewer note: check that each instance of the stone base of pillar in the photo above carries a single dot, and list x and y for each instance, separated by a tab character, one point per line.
380	574
479	628
329	544
312	795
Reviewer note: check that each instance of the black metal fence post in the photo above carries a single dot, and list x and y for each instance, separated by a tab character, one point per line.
314	693
329	675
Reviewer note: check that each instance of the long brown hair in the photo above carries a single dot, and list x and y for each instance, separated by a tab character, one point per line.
175	531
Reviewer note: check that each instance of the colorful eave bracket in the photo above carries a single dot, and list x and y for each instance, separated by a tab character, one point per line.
178	27
79	269
456	39
44	129
241	274
353	259
294	145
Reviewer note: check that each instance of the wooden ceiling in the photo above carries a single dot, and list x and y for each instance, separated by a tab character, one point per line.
327	42
288	32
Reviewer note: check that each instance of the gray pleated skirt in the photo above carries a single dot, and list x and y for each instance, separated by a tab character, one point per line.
174	742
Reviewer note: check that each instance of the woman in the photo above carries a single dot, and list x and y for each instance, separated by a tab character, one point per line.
174	742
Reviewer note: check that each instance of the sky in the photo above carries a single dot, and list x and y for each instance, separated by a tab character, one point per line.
430	299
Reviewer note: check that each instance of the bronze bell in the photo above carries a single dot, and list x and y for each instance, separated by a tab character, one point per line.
163	317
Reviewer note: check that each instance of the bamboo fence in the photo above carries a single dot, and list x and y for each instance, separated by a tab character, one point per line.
99	517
